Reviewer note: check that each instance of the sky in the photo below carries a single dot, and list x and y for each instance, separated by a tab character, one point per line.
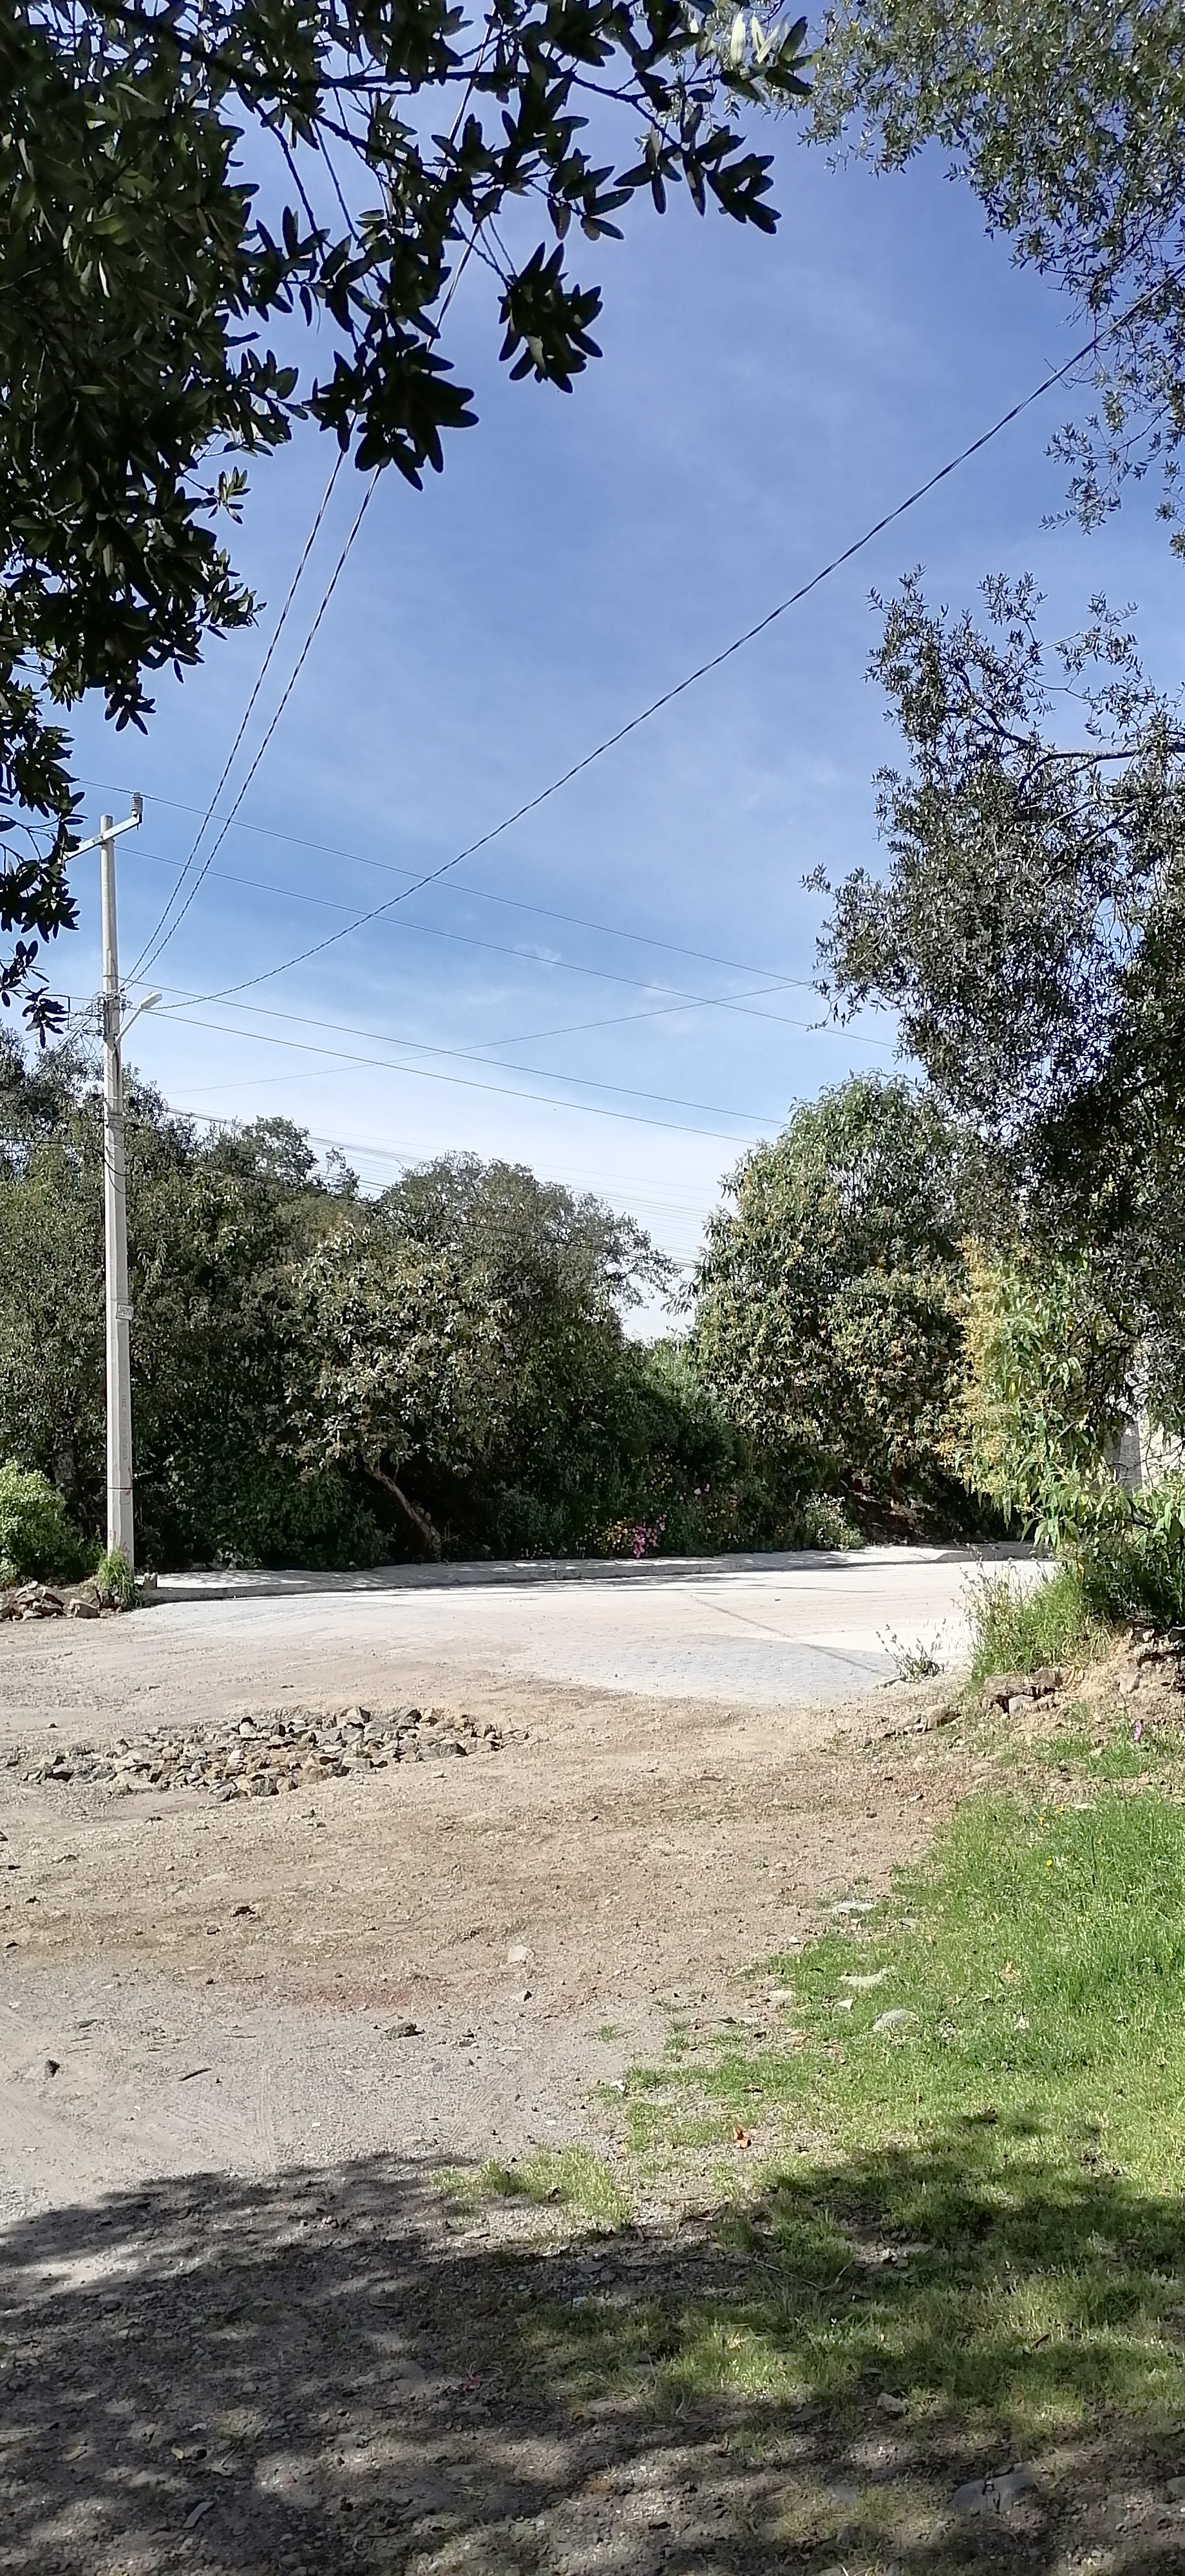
617	990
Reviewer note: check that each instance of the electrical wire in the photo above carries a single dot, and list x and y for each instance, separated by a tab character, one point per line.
409	1158
715	661
478	894
506	1091
261	676
148	960
680	998
161	936
182	1017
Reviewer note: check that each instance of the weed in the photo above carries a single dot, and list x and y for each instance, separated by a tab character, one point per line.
1018	1630
115	1582
916	1663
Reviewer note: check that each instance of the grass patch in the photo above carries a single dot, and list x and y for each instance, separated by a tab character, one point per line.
934	2219
566	2177
1089	1746
951	2182
1057	1621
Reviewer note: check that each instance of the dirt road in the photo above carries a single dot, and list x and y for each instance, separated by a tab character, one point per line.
442	1960
240	2034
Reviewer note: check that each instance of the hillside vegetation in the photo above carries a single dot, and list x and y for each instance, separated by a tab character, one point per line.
325	1378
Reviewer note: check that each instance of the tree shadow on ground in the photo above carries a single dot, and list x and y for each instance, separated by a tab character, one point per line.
327	2372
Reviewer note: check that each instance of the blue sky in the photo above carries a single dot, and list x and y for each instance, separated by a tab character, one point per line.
758	404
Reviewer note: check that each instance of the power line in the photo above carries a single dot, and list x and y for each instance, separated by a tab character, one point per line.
183	1017
145	960
715	661
680	998
148	960
410	1159
261	676
478	894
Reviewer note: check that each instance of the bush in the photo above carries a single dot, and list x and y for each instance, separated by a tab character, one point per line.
1058	1621
1137	1573
115	1582
223	1500
35	1536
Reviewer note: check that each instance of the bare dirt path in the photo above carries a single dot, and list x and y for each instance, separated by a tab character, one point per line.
241	2331
441	1959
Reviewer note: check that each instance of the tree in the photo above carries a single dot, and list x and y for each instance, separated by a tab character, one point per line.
216	1228
826	1306
462	1345
1069	123
1030	931
1050	1366
181	177
396	1359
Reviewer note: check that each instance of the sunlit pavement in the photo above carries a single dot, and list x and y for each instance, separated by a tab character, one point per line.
753	1628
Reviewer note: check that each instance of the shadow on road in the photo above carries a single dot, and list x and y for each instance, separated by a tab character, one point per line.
325	2373
534	1573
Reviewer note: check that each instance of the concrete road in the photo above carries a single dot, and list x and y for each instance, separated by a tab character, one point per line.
760	1629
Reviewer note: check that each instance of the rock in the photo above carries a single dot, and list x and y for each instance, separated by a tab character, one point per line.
255	1756
36	1601
993	2494
998	1688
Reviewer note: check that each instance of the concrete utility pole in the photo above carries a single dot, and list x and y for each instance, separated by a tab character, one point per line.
120	1526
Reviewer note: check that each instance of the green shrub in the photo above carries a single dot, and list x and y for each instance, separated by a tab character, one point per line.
224	1500
1137	1573
1018	1630
35	1536
115	1582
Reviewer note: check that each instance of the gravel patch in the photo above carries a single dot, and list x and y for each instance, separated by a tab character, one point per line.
259	1754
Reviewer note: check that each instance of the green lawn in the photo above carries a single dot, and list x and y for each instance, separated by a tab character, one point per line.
943	2194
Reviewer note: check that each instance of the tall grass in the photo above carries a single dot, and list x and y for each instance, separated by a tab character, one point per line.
1055	1621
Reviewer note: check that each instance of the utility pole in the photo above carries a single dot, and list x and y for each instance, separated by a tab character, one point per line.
120	1526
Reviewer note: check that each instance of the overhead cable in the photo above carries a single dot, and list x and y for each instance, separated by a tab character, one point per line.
690	679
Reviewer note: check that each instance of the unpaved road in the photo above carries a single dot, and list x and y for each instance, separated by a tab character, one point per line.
241	2332
227	1987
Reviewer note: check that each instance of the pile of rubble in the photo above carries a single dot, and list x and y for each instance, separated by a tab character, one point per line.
257	1756
1016	1692
1152	1661
40	1601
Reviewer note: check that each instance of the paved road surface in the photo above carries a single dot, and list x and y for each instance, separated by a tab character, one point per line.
759	1629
